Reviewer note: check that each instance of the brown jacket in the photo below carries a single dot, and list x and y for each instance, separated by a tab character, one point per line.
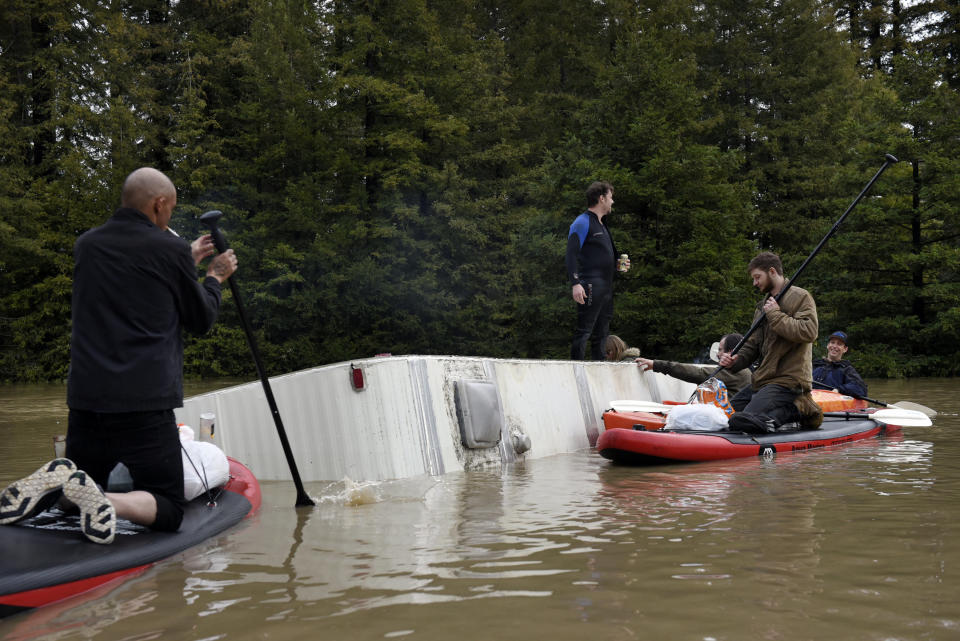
695	373
784	343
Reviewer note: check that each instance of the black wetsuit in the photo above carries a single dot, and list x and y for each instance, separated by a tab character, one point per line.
591	262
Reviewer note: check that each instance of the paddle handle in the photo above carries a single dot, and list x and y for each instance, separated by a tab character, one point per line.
856	396
211	219
889	159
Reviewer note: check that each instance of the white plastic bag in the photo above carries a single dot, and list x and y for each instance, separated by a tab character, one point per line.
202	463
701	417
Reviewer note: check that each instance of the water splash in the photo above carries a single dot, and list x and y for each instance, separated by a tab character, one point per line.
351	493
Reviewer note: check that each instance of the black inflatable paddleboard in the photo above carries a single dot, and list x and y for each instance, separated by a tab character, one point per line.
47	558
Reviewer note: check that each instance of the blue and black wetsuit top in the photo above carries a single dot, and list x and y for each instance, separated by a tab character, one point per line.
591	254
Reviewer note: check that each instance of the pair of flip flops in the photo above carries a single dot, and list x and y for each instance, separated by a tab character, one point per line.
35	493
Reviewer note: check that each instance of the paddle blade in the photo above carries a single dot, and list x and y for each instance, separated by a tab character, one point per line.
640	406
916	407
902	417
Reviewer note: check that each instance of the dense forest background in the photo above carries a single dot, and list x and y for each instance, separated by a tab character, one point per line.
400	176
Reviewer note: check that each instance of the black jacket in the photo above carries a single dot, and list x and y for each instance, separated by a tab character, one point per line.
840	375
134	289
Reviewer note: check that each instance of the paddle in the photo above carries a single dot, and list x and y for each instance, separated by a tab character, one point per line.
908	405
640	406
904	418
904	405
210	219
889	160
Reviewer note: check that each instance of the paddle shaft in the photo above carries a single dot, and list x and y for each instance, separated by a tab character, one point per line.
210	219
902	418
856	396
888	160
902	405
847	415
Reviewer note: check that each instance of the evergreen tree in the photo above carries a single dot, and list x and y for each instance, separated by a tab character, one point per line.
402	176
786	84
49	127
937	23
403	258
905	304
678	211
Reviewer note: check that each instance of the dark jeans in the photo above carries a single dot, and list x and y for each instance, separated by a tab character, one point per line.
775	401
148	443
593	318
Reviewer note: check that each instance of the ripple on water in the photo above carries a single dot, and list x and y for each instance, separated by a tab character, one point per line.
855	543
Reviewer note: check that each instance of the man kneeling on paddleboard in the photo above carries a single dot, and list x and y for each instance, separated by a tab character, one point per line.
135	290
779	396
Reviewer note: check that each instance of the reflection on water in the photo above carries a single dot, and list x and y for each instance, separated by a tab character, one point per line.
856	542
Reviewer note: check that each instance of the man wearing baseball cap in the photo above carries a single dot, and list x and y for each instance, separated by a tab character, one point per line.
835	373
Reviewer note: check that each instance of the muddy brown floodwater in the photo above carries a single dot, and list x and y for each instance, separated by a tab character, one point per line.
858	542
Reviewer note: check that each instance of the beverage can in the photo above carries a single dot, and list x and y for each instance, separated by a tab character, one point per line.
60	445
207	426
622	263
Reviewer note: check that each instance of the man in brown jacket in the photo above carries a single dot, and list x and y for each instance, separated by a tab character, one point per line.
783	344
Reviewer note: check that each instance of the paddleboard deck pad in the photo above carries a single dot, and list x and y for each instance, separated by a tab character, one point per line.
46	558
643	447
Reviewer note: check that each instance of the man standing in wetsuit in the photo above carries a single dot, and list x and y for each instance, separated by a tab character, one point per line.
591	264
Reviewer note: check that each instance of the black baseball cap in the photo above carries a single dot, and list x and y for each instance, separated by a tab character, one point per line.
841	335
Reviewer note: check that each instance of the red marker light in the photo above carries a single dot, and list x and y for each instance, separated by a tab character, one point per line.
356	378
